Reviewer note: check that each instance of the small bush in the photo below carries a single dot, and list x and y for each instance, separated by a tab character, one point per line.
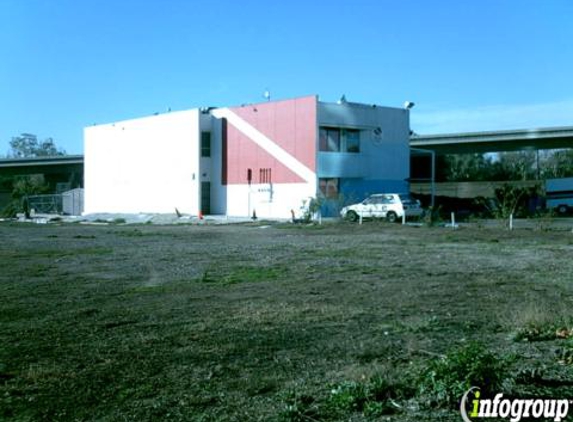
447	379
11	209
22	186
348	396
539	332
433	216
299	408
374	397
565	354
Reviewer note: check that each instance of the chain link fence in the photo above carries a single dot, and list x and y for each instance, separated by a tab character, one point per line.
68	203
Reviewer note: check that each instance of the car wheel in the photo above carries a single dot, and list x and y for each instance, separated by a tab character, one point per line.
351	216
391	217
563	209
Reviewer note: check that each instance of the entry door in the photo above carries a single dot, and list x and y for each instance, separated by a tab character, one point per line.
206	198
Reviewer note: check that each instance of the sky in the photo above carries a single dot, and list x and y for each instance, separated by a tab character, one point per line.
467	65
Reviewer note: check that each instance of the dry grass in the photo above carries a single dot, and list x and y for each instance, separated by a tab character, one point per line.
205	323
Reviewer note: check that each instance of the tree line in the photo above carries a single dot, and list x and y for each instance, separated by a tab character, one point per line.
505	166
28	145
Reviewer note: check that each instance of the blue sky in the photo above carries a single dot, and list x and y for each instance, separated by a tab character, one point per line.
468	65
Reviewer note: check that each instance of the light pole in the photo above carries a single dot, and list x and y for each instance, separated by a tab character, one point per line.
408	105
433	173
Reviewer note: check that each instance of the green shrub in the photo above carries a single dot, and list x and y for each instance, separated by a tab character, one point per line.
447	379
433	216
374	397
299	408
22	186
348	396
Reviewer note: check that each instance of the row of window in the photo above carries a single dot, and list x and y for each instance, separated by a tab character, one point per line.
330	140
264	175
338	140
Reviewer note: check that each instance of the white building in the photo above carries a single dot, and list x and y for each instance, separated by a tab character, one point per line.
266	158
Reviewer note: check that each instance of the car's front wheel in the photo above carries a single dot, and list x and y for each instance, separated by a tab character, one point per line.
562	209
391	217
351	216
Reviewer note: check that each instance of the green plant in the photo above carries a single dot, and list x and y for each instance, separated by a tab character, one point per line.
22	186
432	216
511	199
299	408
374	397
541	332
544	219
565	354
349	396
445	380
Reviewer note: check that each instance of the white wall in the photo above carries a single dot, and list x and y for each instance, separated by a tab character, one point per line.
143	165
243	199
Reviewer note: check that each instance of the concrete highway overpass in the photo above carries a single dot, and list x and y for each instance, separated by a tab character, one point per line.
65	164
494	141
65	169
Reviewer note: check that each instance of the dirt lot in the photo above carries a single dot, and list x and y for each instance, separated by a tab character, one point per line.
276	322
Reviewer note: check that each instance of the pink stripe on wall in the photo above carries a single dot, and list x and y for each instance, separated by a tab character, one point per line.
291	124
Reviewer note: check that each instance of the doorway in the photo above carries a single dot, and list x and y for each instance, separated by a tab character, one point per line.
206	198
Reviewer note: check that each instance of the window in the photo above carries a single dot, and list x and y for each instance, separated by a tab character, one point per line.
328	188
352	138
339	140
205	144
265	175
388	199
329	140
373	200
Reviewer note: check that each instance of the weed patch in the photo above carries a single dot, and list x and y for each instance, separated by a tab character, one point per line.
242	274
377	396
299	408
536	323
448	378
535	332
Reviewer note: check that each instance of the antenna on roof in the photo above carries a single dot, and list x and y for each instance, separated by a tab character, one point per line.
267	95
342	99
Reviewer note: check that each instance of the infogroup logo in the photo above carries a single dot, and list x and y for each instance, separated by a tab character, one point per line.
512	409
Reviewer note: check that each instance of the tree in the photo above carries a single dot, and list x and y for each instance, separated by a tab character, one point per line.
558	163
466	167
22	186
515	165
506	166
23	146
27	145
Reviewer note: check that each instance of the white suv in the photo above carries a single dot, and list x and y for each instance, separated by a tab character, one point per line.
390	206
